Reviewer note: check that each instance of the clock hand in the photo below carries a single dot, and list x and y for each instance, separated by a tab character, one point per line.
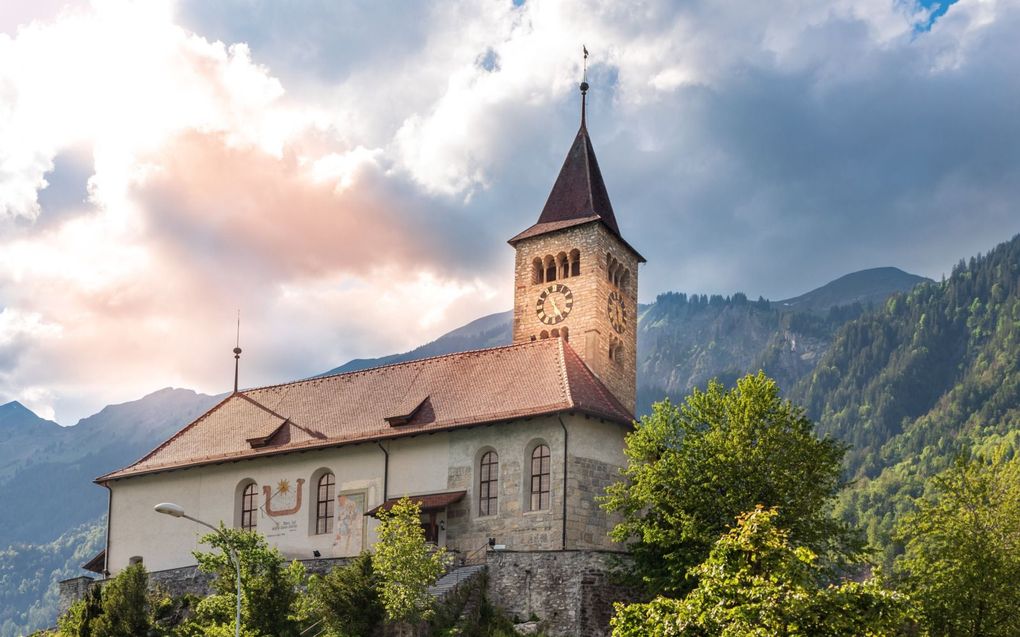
555	309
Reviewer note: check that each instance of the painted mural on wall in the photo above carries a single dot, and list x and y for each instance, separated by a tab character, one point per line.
350	525
285	500
280	502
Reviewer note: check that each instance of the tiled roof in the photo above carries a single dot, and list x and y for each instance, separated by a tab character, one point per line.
432	394
427	502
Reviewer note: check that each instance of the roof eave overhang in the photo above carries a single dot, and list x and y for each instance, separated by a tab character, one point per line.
513	241
265	453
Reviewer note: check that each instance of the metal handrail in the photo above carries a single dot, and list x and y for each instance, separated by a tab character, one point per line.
471	557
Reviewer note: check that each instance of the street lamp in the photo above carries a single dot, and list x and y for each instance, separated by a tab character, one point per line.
177	511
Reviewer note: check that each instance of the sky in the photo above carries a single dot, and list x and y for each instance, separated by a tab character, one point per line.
346	174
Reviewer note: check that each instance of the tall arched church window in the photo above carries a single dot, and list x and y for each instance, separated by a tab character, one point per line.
324	504
540	482
565	333
563	265
575	262
488	483
249	507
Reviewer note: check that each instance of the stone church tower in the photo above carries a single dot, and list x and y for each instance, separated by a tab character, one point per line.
575	275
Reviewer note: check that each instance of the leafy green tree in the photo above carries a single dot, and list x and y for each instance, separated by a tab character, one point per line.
125	607
270	587
405	563
77	621
347	598
693	469
756	583
962	559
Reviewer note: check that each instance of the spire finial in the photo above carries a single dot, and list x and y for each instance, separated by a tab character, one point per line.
584	85
237	350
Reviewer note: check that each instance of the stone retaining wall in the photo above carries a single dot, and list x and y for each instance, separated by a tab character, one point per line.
178	581
571	592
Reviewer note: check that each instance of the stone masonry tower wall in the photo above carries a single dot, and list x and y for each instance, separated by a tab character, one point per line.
606	338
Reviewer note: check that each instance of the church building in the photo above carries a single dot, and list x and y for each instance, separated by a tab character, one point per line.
512	444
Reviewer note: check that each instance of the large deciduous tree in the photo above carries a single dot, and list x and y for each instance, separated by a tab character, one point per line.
692	469
962	550
755	583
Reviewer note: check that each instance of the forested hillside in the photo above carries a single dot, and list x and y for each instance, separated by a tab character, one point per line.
933	374
684	341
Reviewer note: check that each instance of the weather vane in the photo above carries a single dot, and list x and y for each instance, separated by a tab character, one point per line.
584	74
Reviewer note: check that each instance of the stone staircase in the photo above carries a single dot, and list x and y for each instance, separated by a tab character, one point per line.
453	579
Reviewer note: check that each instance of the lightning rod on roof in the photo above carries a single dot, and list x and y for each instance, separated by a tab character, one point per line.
237	350
584	84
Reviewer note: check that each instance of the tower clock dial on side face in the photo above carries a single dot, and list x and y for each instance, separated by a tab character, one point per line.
554	304
617	312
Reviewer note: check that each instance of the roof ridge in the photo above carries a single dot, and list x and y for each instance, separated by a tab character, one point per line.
564	374
600	386
427	359
176	435
262	407
587	167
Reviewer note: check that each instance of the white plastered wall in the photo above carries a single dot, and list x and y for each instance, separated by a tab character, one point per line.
209	493
417	465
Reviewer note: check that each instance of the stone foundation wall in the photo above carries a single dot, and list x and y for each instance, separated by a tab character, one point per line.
571	592
178	581
71	590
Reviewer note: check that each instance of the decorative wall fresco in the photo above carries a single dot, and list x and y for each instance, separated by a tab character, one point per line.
350	525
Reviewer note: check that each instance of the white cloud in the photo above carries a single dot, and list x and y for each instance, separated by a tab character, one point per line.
358	212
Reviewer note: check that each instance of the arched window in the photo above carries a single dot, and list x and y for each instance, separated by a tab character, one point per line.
536	270
540	478
249	507
625	280
565	333
615	349
575	262
544	334
563	265
324	504
550	269
555	333
488	483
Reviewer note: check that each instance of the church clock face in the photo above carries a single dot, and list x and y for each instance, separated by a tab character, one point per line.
617	312
554	304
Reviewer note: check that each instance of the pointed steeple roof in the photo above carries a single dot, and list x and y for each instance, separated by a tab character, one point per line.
579	194
579	191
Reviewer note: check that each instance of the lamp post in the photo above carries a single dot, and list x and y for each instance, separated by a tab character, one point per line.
177	511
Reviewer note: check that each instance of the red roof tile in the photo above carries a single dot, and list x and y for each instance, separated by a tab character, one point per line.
456	390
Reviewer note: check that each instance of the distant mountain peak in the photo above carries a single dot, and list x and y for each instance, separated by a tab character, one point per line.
867	287
14	414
